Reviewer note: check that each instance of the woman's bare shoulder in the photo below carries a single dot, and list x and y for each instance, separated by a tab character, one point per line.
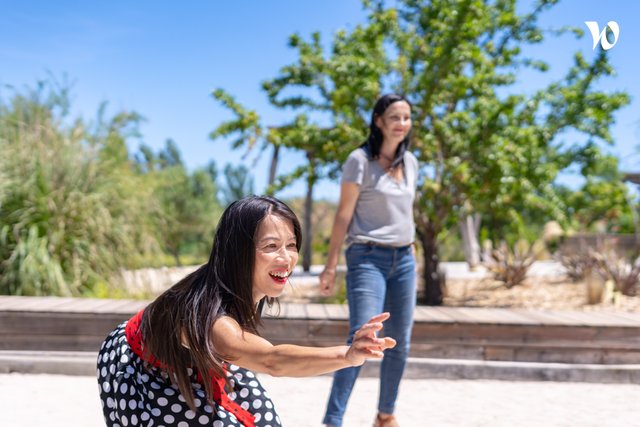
226	325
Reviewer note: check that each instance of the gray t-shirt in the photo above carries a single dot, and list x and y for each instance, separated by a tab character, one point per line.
384	210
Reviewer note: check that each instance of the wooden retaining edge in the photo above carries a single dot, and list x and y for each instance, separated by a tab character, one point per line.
53	323
84	364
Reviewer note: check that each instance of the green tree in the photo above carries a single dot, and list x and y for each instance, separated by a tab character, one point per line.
344	88
603	198
485	145
72	212
186	202
238	183
485	148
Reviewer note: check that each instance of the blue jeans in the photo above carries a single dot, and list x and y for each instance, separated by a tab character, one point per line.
378	279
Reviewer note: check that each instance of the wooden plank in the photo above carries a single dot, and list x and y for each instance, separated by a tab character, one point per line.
545	317
563	354
50	305
473	315
469	332
456	314
446	351
11	303
494	332
598	318
595	319
79	305
470	315
6	301
52	342
286	330
631	334
634	318
459	332
563	318
316	311
337	311
295	311
432	314
59	323
64	304
494	316
515	318
336	330
551	332
129	307
34	303
529	317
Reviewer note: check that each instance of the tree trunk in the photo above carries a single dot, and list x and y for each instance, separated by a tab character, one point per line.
307	229
176	256
636	229
434	279
274	165
469	232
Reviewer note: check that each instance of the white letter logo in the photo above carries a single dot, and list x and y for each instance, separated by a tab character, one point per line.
601	37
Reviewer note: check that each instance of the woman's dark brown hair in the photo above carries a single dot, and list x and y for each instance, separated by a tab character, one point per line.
176	326
375	138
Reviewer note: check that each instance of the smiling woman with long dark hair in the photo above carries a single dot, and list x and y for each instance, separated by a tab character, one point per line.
187	358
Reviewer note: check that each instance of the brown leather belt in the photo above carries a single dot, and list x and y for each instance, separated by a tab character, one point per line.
381	245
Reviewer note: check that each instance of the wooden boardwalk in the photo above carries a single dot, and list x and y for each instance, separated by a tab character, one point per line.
80	324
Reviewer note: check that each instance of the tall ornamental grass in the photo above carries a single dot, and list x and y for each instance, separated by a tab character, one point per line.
72	212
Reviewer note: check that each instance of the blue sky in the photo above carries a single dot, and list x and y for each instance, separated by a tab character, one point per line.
163	59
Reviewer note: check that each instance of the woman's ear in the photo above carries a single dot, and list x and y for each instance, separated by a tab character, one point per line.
377	120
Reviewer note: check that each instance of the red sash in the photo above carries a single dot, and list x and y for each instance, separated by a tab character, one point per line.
134	339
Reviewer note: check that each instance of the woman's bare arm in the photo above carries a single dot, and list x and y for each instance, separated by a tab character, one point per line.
254	352
349	193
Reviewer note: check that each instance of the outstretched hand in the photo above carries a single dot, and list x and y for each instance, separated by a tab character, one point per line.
366	344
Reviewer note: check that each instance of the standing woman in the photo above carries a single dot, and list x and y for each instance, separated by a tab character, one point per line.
186	359
375	213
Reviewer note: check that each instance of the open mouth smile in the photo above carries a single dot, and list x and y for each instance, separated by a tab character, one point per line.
280	276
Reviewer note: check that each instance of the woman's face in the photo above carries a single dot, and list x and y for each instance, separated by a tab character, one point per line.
395	122
276	255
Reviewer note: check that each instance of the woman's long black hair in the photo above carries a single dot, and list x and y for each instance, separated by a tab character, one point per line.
176	326
374	140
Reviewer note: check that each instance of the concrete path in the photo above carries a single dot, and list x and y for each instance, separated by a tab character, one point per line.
68	401
84	363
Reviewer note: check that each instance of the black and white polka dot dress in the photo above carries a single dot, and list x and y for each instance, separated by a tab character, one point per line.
134	393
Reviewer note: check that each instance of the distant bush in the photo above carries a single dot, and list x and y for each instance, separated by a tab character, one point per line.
71	210
510	265
622	270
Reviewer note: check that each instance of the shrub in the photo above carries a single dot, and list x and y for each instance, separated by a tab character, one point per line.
510	265
624	272
71	210
577	265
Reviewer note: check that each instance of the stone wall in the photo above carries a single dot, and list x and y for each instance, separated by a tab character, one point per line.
153	281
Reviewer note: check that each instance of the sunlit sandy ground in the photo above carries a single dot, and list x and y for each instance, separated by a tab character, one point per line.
66	401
